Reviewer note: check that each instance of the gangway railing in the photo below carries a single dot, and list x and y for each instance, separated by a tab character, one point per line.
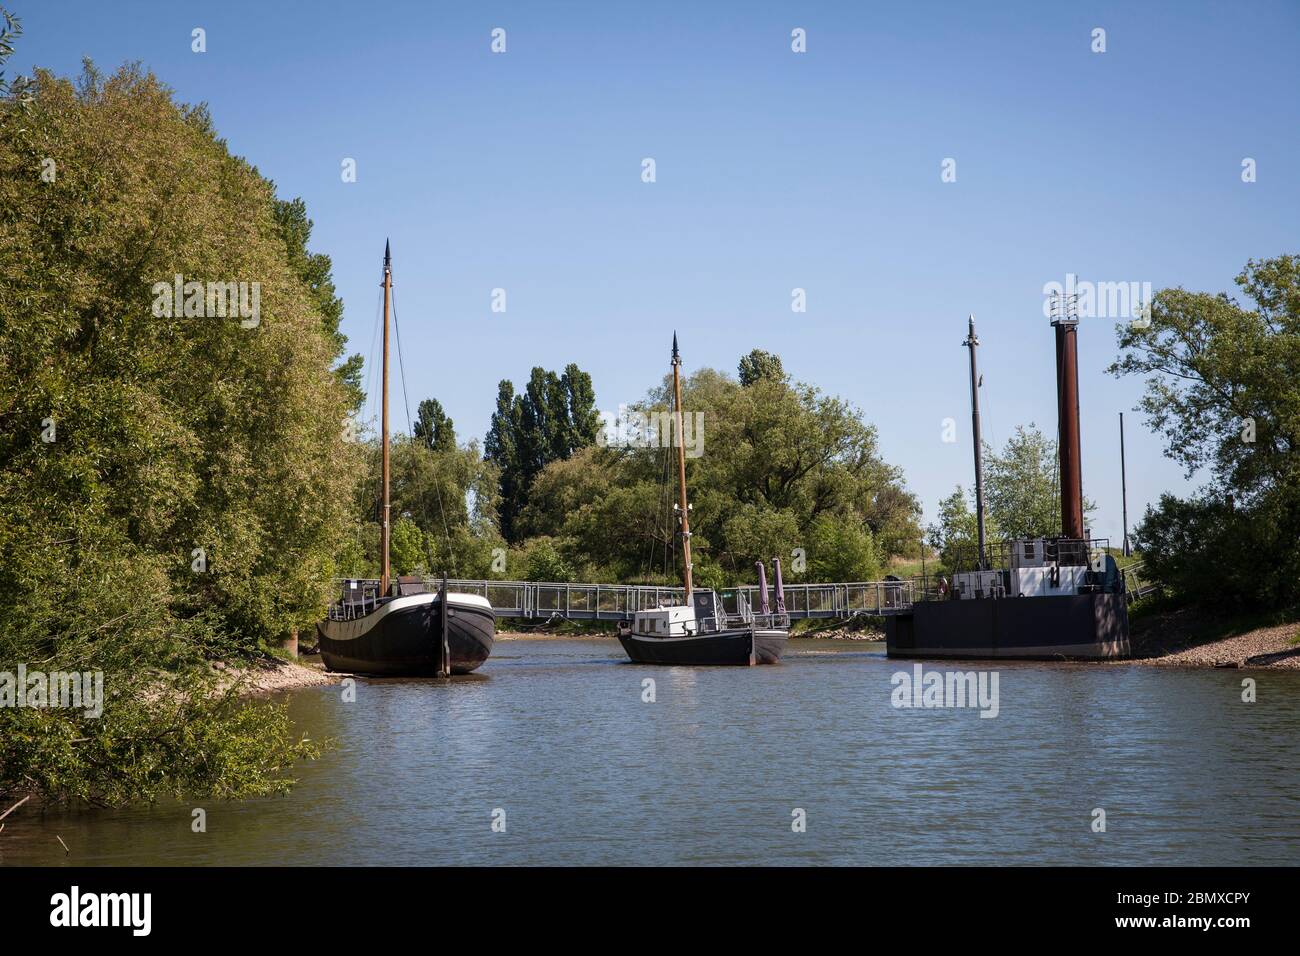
546	600
618	602
1135	584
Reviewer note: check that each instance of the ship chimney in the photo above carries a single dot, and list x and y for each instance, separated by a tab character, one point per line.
1065	320
762	589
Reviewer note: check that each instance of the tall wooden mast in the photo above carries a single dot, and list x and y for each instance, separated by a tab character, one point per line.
972	343
388	291
681	467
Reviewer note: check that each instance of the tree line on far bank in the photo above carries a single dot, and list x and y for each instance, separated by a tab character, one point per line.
781	471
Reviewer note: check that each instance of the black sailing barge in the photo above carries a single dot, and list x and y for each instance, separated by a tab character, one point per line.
404	633
1028	598
698	631
403	629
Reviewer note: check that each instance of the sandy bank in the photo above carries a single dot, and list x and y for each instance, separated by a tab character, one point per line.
271	675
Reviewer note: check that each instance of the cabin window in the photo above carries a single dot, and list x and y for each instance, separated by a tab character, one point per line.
1029	551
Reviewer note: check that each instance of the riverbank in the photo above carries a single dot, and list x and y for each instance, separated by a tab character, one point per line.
272	674
1186	638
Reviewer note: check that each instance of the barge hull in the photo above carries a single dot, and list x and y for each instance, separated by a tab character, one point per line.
1067	626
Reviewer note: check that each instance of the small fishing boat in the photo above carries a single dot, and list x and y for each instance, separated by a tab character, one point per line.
400	628
699	631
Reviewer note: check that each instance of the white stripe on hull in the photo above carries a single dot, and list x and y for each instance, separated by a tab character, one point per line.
359	626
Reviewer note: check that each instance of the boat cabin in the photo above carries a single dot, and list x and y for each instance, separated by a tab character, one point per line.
673	621
1041	567
704	615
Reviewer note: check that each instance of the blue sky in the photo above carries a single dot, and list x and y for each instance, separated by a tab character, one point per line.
775	170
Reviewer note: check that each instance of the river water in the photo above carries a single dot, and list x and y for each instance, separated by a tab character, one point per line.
553	741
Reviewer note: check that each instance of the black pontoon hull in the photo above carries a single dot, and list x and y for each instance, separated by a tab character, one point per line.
403	637
738	647
1067	626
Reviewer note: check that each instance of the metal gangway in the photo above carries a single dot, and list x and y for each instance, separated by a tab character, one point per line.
1136	584
618	602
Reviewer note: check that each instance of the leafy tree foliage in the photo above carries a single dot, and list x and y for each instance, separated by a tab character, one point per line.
443	503
1223	388
955	535
1022	498
314	271
759	365
541	560
171	489
433	427
782	467
554	418
1022	487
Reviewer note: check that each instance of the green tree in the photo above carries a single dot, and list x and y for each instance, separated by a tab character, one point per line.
1022	488
314	270
541	560
553	419
956	534
502	449
1223	380
759	365
172	488
433	427
771	460
407	549
448	495
842	550
1223	388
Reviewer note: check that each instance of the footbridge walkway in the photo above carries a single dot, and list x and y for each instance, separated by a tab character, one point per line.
618	602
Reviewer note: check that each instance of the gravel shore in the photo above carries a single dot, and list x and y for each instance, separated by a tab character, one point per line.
1273	647
269	676
1185	637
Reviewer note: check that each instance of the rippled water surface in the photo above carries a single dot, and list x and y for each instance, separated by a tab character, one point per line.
555	734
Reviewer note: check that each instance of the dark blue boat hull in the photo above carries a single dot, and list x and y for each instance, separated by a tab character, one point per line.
1067	626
